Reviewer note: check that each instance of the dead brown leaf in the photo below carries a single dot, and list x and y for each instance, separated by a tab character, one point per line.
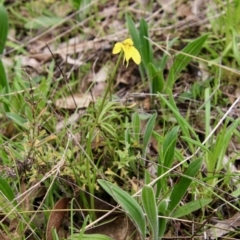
56	217
224	227
76	101
120	228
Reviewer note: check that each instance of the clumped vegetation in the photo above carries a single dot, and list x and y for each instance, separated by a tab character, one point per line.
119	119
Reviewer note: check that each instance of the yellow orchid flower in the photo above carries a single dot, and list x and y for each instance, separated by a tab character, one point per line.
128	49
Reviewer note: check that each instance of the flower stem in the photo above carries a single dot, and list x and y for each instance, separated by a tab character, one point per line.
110	82
91	178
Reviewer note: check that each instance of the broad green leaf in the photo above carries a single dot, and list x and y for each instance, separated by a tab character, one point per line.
163	206
6	190
235	45
183	59
3	27
7	201
42	21
155	78
186	128
128	203
223	143
134	33
145	46
3	38
190	207
168	147
17	119
236	193
182	185
162	227
3	79
148	132
136	125
150	207
196	143
77	3
147	176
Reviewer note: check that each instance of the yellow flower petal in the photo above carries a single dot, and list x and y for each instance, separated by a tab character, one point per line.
135	55
128	41
129	51
117	48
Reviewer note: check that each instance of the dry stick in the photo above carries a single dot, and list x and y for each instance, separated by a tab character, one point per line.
178	165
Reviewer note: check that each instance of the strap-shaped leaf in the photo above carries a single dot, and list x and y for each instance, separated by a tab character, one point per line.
3	27
155	78
150	207
3	38
128	203
184	58
181	187
148	132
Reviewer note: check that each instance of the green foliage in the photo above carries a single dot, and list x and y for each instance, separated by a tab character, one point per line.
84	5
190	207
75	236
155	154
182	185
150	208
155	78
128	203
214	158
3	37
225	32
148	66
183	58
148	132
3	27
7	197
42	22
186	128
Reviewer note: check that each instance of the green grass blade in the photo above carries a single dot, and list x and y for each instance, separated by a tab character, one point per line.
162	211
168	148
133	32
6	190
17	119
155	78
191	207
42	22
150	207
136	40
6	198
184	58
181	187
148	132
128	203
136	126
235	45
3	79
145	46
3	27
75	236
3	38
196	143
186	128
